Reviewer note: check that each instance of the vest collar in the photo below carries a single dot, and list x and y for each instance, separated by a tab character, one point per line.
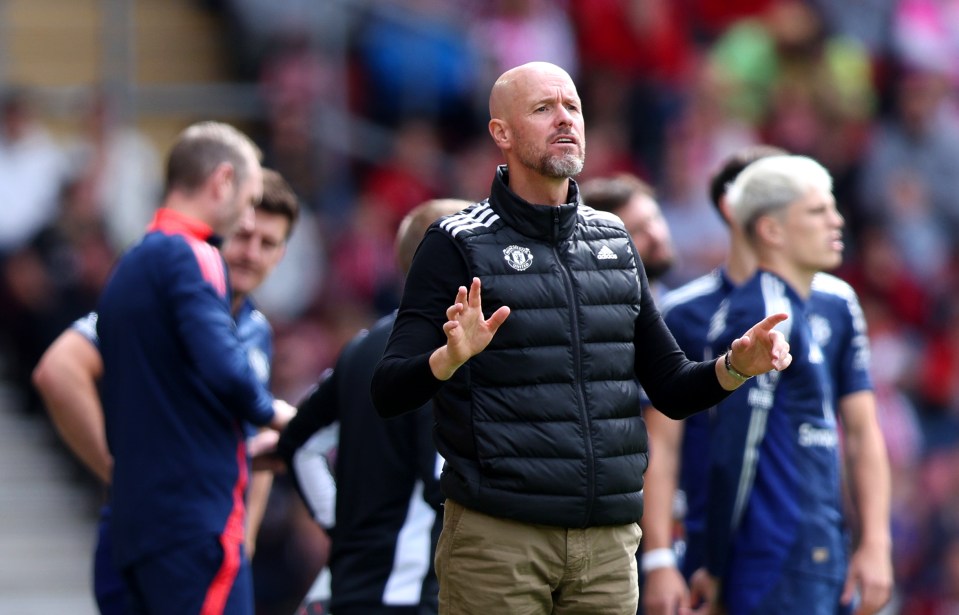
544	222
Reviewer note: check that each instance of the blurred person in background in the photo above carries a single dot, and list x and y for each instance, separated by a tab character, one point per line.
177	375
69	372
33	173
33	168
677	448
387	471
774	537
116	171
634	202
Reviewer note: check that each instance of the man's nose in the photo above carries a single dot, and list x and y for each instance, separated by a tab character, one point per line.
247	219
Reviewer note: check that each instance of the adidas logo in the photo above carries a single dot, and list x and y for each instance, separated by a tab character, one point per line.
605	254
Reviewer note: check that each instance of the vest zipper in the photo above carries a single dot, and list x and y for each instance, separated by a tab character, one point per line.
577	371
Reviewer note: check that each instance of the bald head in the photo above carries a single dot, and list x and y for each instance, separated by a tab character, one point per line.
415	224
536	120
511	84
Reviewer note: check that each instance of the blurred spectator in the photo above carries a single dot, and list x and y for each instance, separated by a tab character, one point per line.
116	172
255	26
419	63
921	140
939	378
867	21
880	274
709	19
919	234
926	35
508	33
787	47
33	175
301	87
32	171
476	153
411	173
699	140
642	50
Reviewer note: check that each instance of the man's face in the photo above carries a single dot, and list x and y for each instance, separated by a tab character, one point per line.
547	124
646	225
813	232
252	254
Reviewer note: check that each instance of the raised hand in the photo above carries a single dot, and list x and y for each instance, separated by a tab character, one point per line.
761	349
468	332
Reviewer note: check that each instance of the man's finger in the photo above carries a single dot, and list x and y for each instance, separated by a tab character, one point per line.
497	318
769	322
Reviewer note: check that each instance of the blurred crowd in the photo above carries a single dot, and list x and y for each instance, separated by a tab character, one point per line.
373	106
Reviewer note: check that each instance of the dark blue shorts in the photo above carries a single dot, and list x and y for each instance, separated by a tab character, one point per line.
201	577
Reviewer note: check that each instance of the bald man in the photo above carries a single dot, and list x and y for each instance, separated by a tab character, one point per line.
536	397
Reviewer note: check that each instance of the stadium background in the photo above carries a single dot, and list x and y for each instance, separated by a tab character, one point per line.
371	106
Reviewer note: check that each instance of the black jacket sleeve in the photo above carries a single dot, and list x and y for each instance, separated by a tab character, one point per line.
676	386
403	380
317	410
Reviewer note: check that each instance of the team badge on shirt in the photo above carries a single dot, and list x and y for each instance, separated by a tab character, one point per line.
518	257
260	364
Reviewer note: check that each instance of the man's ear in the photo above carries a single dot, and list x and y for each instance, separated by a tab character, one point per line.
500	132
769	230
221	180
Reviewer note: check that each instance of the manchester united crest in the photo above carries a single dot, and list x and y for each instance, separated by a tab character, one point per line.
518	257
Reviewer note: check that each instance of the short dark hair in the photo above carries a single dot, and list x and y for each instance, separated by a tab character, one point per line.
279	198
612	193
734	165
201	148
415	224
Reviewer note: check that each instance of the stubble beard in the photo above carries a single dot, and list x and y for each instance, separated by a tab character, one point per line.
556	167
561	167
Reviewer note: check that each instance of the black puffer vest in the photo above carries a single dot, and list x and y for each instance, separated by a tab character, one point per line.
544	425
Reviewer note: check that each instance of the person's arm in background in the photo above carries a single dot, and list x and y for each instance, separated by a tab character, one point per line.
732	450
664	589
257	496
206	328
314	467
310	472
870	567
66	377
870	571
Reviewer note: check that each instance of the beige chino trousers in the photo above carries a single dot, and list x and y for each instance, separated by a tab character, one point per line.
492	566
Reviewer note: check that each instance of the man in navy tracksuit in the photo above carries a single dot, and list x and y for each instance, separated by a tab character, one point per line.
70	370
178	387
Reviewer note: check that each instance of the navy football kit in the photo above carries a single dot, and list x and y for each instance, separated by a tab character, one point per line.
836	325
178	390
